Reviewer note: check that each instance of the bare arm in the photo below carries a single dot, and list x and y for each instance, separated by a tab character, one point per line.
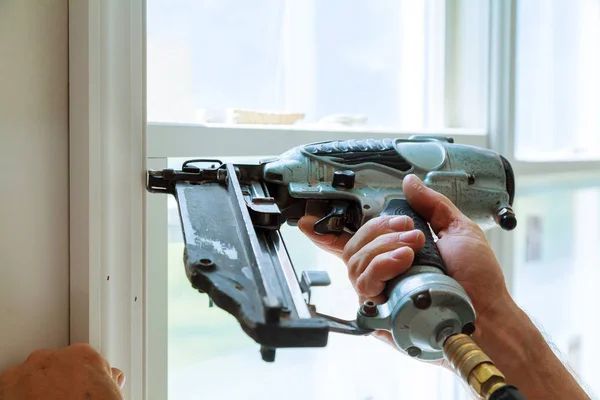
518	348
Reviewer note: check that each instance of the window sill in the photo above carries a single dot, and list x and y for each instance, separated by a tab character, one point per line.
167	140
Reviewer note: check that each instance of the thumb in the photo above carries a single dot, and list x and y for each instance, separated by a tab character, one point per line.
434	207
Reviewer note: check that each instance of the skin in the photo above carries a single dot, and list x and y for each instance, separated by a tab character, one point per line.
76	372
385	247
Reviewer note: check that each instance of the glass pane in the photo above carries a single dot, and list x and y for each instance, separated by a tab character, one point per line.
311	63
211	357
557	269
557	80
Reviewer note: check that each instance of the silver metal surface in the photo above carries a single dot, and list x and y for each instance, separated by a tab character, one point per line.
413	327
290	275
472	178
428	156
272	290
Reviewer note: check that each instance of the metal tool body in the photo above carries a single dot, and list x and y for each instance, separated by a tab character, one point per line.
231	216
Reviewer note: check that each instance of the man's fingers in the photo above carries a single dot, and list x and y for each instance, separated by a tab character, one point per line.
374	228
359	262
384	267
85	352
118	376
434	207
329	242
385	337
39	356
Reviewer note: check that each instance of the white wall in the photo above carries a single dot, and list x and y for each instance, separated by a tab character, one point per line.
34	213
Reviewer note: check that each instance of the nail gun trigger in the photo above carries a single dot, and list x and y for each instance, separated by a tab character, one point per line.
334	222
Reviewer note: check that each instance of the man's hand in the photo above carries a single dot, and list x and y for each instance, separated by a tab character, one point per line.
385	247
76	372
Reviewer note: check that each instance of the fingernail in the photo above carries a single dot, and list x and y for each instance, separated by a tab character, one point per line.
409	237
401	253
398	223
416	177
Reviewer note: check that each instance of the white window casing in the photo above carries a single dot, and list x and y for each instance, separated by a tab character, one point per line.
107	193
157	290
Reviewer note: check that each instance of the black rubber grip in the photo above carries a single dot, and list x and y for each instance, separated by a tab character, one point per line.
429	254
507	392
355	152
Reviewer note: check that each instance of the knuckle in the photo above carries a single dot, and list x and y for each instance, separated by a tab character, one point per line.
377	224
383	240
362	286
378	221
83	348
40	355
353	264
408	222
347	254
379	262
10	375
352	277
351	248
380	259
372	229
466	225
392	241
88	353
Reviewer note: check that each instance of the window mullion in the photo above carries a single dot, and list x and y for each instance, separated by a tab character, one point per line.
466	63
501	78
500	111
435	64
156	310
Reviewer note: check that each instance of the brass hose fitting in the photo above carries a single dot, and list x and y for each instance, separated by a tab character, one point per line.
473	364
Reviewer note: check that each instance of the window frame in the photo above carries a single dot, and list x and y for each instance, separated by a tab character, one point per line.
107	139
501	124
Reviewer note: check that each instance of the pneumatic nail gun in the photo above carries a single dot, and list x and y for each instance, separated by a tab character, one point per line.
231	215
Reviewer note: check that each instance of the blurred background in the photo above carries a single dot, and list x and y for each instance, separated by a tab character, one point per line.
521	75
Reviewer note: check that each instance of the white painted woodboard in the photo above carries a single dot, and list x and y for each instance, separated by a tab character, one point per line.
34	177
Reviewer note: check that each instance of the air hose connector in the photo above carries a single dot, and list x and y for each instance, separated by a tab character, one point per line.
474	366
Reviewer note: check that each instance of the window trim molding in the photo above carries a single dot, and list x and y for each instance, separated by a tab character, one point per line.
500	113
107	183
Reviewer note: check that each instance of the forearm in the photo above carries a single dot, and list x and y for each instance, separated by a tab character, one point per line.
507	335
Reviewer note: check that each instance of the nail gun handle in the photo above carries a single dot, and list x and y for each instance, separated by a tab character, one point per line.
429	254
